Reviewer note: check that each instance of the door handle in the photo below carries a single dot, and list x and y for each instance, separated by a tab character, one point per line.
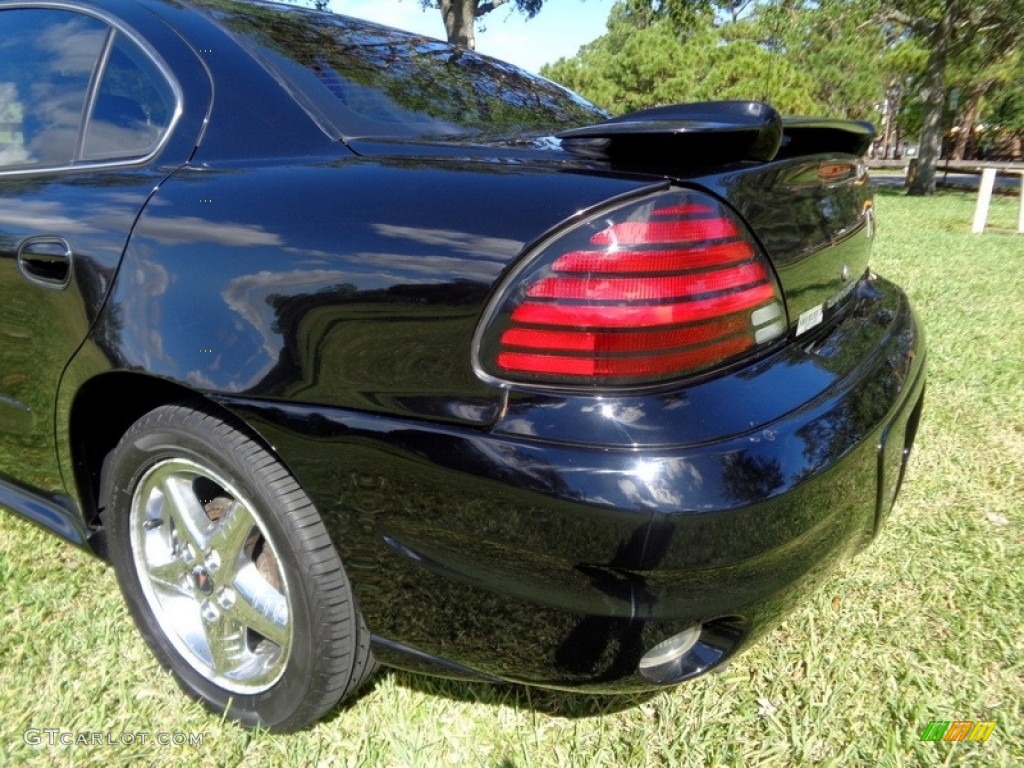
46	260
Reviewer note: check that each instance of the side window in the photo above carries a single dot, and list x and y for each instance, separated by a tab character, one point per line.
133	108
52	111
47	58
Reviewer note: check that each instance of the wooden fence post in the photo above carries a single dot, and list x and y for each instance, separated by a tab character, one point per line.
1020	215
988	180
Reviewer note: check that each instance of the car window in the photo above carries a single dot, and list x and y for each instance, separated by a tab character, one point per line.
48	61
362	79
134	105
47	58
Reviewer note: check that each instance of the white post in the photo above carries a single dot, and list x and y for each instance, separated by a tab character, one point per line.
988	180
1020	216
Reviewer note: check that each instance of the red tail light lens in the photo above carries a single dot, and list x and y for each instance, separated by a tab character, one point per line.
653	290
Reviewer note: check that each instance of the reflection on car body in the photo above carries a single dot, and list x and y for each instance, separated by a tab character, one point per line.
401	355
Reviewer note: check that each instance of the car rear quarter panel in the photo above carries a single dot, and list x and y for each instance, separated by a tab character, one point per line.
348	282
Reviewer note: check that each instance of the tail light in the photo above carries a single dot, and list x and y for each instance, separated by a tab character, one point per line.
662	288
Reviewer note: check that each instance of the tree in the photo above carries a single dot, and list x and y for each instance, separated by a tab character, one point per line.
804	57
888	59
1005	107
902	66
974	78
460	16
1003	112
949	29
834	42
682	13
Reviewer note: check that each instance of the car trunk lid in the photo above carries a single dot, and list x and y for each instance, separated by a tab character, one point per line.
814	218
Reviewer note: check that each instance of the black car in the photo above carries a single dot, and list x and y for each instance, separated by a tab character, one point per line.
348	347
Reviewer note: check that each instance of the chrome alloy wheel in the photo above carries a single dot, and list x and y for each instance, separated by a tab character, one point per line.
211	575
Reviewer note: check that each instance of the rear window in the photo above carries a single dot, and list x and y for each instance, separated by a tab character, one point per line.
361	79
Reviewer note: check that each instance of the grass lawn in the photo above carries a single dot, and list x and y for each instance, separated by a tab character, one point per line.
926	624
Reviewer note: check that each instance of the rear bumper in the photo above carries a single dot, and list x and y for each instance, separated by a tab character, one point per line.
527	553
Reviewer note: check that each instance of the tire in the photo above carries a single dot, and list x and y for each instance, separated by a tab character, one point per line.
229	572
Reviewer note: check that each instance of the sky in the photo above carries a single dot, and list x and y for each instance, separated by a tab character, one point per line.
559	30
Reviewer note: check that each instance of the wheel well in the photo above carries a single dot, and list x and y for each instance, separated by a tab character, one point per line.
103	410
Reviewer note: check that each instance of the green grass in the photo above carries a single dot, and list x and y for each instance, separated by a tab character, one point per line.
926	624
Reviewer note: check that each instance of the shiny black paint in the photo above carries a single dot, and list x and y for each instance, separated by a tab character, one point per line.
42	325
342	287
251	116
826	225
563	560
326	294
692	135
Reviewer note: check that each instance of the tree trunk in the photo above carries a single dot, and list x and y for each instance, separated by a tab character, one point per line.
892	108
969	118
934	103
460	22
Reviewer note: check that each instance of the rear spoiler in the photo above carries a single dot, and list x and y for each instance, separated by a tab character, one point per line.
814	135
714	132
